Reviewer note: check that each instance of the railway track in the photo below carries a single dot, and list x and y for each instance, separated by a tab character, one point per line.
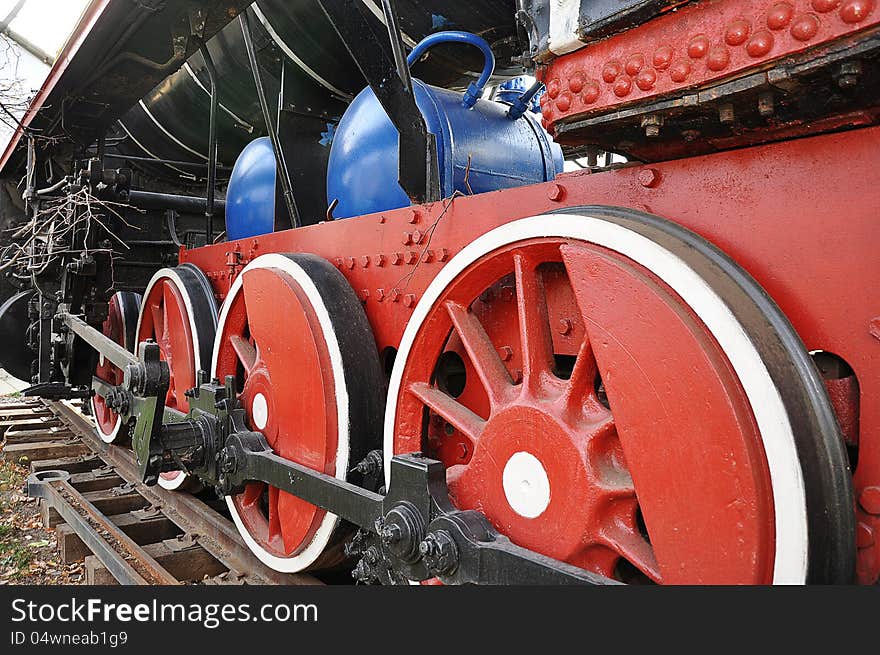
127	532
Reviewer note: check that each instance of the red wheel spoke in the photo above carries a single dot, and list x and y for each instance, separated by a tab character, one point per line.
274	517
158	320
583	377
245	351
632	546
453	411
534	325
252	493
484	357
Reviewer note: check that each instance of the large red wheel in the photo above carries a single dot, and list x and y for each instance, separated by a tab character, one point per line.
611	391
120	326
180	313
296	338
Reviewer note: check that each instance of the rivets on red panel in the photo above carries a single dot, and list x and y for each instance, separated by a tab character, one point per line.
407	238
380	294
760	44
428	256
556	192
414	215
698	47
339	262
737	32
365	261
611	71
869	499
564	326
394	295
409	300
680	70
517	376
662	57
646	79
417	236
379	259
411	257
553	88
855	11
622	86
634	64
442	255
591	93
506	353
780	15
805	27
396	258
576	82
349	262
718	58
563	102
874	327
824	6
364	294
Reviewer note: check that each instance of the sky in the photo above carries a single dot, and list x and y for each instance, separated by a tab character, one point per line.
46	23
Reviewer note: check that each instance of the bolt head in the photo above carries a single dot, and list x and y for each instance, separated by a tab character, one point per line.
556	192
649	177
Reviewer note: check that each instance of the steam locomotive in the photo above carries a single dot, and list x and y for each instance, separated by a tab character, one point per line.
472	292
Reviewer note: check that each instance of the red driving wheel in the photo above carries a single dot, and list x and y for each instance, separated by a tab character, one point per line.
179	312
120	326
600	403
279	335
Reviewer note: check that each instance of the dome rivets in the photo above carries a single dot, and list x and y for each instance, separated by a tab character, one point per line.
737	32
760	44
698	47
805	27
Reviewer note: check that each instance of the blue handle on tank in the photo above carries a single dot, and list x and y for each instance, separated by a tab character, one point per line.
475	89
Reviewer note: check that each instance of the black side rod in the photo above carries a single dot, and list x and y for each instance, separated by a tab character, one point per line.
379	56
212	144
280	163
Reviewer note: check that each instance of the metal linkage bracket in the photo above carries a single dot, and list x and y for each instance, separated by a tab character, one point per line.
140	397
411	533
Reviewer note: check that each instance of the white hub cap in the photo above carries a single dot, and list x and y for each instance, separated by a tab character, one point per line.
260	411
526	485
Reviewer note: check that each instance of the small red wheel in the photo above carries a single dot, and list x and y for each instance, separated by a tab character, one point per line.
296	338
611	391
120	326
180	313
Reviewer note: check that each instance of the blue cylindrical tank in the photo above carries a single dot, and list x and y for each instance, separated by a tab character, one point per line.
250	196
479	148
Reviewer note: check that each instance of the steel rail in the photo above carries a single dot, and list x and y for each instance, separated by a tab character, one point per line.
216	534
59	493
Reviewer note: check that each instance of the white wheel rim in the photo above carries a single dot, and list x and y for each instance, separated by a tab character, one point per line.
307	556
786	476
110	437
178	480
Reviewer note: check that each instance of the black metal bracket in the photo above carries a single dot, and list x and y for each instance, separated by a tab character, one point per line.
381	59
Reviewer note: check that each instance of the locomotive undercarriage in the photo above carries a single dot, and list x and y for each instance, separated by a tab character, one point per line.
350	385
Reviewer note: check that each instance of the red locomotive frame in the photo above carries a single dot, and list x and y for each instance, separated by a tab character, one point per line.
811	246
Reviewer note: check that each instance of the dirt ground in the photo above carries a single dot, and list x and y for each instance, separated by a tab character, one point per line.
29	553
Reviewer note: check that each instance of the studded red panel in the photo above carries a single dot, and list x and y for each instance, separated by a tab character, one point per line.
697	44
